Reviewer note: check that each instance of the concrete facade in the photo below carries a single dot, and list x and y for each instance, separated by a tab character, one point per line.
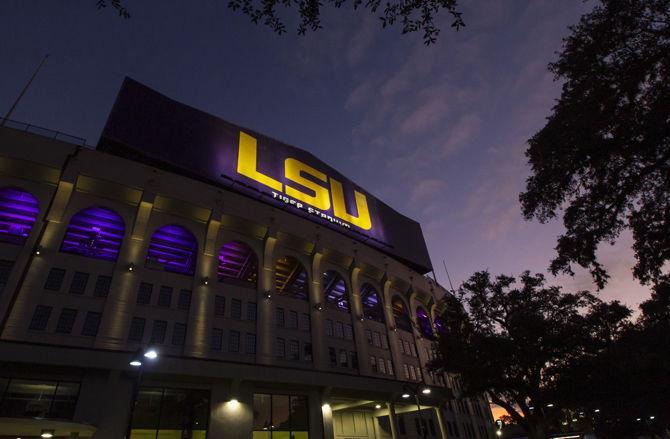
351	397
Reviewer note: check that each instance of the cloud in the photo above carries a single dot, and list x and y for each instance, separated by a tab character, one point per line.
426	190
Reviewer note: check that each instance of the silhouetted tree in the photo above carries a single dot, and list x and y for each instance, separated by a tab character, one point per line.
513	340
413	16
603	157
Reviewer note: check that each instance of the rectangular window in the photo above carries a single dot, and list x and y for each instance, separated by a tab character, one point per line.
279	317
170	413
385	342
251	311
373	363
236	308
66	321
344	358
54	279
368	336
307	351
376	340
159	331
280	417
348	332
78	284
292	320
405	370
179	334
293	350
251	343
389	366
102	285
40	318
136	329
39	399
412	373
339	330
381	364
329	327
413	347
5	271
401	345
219	306
332	356
216	340
280	348
234	341
144	293
306	322
165	296
91	324
184	302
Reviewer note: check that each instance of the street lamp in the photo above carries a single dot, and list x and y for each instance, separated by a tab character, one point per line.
138	361
409	390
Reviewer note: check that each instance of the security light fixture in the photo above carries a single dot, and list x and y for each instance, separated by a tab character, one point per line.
205	281
597	410
151	354
426	390
318	306
38	250
378	406
130	266
405	395
135	363
46	434
550	405
268	295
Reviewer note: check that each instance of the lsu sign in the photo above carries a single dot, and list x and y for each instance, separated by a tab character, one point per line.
147	126
322	191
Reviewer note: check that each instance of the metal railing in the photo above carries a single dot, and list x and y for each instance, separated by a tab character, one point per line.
44	132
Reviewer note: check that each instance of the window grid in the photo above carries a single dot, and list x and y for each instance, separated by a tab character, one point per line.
216	340
144	293
251	343
219	306
236	308
184	302
40	317
251	311
158	332
165	296
234	341
66	321
102	285
179	334
91	324
78	284
280	348
54	279
136	329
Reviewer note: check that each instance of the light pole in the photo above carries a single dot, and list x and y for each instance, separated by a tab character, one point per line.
415	390
140	358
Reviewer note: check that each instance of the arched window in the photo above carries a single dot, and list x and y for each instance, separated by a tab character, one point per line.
18	213
95	232
173	248
335	291
238	263
439	325
423	321
372	306
401	315
291	278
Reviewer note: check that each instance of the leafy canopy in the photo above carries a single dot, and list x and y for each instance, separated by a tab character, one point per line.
603	157
517	338
413	15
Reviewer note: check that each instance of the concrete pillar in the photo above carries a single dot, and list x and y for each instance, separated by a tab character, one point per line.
392	420
316	418
440	422
319	348
265	306
231	414
359	326
392	335
327	416
111	405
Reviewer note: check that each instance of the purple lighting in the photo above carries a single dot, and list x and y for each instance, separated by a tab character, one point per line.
95	232
439	326
237	263
372	308
291	278
335	291
172	248
400	314
424	322
18	213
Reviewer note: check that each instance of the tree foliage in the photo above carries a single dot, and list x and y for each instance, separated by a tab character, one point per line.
603	157
517	338
413	15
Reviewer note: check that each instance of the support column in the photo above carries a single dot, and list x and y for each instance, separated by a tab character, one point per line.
392	420
440	422
264	305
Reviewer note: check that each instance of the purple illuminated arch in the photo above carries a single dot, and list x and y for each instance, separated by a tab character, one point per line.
291	278
400	314
95	232
173	248
423	321
439	324
18	213
372	306
237	263
335	291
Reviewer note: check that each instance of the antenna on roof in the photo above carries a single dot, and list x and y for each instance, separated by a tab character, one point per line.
25	88
448	277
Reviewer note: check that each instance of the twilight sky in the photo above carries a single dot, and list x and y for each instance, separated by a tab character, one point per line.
436	132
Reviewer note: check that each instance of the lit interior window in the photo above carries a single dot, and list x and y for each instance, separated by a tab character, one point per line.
237	262
95	232
423	321
291	278
173	248
335	291
372	307
400	314
18	213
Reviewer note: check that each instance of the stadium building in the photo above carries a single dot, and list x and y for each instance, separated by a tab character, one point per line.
189	278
